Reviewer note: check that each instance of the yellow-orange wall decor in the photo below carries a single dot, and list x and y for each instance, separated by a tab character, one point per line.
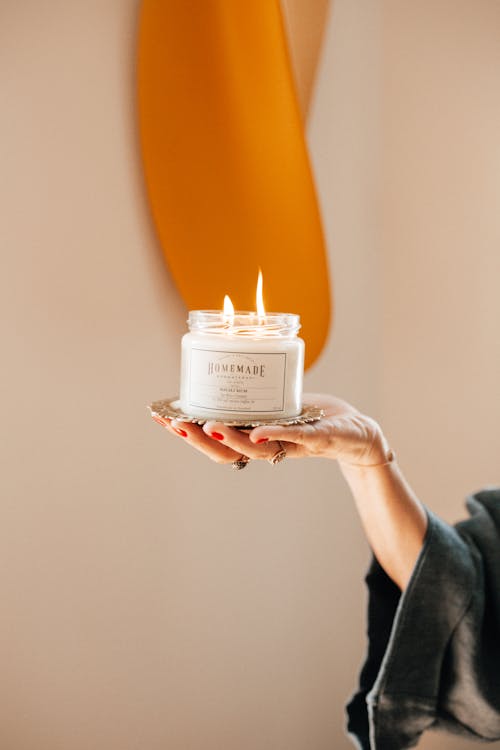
225	160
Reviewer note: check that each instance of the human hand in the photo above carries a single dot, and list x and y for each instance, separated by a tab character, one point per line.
343	434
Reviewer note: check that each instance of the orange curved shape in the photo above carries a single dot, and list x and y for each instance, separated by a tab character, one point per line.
225	160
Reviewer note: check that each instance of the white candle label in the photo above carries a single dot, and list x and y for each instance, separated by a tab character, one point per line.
237	381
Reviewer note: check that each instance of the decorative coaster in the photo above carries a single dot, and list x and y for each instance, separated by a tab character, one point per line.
170	409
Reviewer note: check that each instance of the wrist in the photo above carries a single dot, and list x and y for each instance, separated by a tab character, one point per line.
377	452
362	472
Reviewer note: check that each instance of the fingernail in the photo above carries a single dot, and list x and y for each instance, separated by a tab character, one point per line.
180	432
161	420
217	436
262	440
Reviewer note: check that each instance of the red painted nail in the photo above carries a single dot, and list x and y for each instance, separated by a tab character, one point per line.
262	440
161	420
217	436
180	432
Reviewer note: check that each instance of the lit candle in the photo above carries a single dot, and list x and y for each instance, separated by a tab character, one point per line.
242	365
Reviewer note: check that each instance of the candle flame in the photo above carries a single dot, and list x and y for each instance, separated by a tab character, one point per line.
261	310
228	310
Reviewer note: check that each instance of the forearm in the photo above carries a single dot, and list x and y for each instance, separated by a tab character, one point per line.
393	518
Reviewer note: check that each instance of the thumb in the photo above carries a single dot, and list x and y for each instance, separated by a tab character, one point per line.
295	433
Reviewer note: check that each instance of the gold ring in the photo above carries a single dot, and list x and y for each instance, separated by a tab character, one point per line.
240	463
279	455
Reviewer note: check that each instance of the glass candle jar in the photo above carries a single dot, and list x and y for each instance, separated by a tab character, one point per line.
242	366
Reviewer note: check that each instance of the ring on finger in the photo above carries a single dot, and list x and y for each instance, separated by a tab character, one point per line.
279	456
240	462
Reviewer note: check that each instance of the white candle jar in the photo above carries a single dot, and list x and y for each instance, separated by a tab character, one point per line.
242	366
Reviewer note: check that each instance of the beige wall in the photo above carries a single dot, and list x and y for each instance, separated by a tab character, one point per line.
440	221
151	599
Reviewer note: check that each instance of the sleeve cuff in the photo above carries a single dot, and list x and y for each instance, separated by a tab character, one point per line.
408	634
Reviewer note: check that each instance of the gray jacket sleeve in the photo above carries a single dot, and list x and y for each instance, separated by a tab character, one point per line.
434	651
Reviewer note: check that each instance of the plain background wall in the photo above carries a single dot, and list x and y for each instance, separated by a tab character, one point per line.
151	599
440	234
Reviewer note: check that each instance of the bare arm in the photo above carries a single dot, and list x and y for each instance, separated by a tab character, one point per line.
393	518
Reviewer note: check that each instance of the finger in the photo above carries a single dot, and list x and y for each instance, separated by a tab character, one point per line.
195	437
239	441
300	434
